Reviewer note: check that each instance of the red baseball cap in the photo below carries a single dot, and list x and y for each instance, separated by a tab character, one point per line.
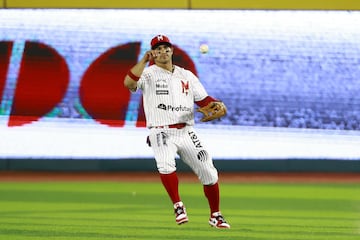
160	39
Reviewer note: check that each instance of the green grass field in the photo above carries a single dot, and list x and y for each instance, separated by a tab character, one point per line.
117	210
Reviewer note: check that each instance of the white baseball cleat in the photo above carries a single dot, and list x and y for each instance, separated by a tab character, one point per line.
180	213
218	221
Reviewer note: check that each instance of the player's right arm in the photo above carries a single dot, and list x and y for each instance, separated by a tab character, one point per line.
133	75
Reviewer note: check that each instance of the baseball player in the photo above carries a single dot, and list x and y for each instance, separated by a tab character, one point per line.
169	93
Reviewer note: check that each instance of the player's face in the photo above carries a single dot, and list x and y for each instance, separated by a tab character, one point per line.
163	53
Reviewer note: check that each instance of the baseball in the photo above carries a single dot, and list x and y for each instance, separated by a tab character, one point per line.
204	48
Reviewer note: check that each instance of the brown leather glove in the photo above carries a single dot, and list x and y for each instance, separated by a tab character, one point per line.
214	110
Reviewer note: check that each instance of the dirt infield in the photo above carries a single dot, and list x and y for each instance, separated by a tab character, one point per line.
238	177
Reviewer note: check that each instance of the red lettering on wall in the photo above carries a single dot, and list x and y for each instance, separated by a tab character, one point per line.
141	120
44	77
102	92
5	53
182	59
41	84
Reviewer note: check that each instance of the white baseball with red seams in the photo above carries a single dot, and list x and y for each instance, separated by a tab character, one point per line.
169	98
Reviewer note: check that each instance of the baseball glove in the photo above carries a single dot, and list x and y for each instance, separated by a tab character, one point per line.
214	110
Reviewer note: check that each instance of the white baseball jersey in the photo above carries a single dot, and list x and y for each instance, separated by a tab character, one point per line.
169	96
169	99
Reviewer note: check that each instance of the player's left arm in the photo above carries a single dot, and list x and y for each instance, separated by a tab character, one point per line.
211	109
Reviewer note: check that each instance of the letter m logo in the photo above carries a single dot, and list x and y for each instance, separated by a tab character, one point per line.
185	87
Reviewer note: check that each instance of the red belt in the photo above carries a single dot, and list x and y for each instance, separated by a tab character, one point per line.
177	126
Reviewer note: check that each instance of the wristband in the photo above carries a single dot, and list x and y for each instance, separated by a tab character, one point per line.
133	76
206	101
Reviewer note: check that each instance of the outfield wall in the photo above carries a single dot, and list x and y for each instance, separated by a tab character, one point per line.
145	165
293	107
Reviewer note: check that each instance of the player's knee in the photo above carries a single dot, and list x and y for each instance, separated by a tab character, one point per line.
165	168
209	178
210	181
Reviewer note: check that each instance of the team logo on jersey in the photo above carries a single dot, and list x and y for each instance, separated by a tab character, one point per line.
161	89
202	156
162	106
174	109
185	87
161	139
162	92
195	139
160	80
161	85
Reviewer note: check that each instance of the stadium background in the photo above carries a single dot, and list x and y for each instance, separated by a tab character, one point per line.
259	104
